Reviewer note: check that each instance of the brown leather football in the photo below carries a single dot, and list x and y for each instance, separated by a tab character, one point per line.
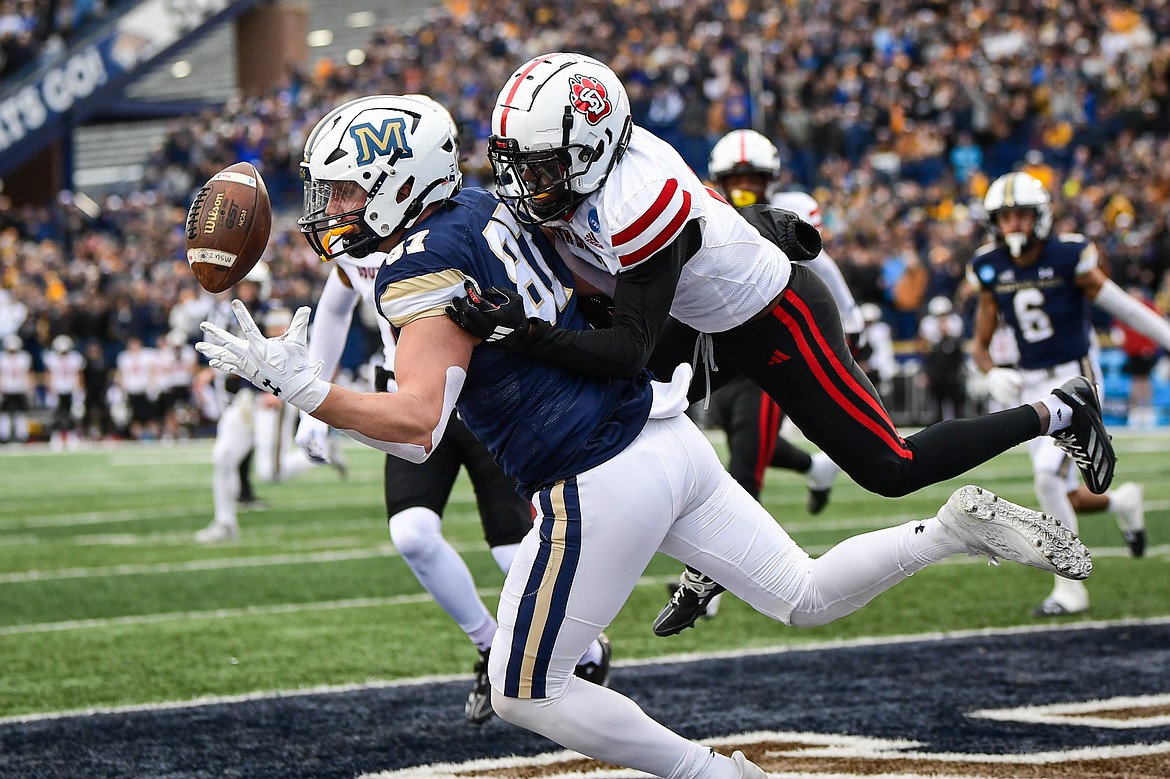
228	226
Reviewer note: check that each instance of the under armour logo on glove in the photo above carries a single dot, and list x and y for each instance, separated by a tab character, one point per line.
496	316
279	364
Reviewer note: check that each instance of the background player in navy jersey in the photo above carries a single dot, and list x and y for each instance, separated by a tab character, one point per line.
615	469
692	280
1042	287
417	493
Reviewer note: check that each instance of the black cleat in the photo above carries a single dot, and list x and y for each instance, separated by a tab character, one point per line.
598	673
1136	541
817	500
689	602
1085	439
478	708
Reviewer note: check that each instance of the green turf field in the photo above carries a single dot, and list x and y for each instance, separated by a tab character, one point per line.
106	600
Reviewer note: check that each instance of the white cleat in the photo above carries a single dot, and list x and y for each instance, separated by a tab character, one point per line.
998	528
216	532
747	769
1126	502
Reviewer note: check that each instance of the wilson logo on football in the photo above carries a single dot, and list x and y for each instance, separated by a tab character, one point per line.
590	98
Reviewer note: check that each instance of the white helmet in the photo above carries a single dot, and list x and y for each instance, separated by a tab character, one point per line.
743	151
261	276
939	305
1018	190
400	151
435	104
62	344
559	126
870	313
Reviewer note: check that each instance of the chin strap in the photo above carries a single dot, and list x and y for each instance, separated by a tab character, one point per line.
1116	301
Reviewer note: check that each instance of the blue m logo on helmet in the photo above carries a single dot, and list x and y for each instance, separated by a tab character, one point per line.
389	140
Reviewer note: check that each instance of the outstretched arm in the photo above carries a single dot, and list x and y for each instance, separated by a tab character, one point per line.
1107	295
432	366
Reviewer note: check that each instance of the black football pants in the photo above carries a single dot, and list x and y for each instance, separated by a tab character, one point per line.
506	516
796	352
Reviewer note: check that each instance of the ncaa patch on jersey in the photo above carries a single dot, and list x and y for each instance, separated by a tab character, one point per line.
594	222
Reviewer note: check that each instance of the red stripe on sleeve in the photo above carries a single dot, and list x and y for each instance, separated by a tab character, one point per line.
647	219
663	238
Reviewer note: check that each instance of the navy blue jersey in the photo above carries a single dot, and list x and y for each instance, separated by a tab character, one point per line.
540	422
1047	310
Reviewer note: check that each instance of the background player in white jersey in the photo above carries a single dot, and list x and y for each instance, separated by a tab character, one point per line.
249	423
691	279
135	376
416	494
177	365
744	167
15	388
615	470
63	389
1042	286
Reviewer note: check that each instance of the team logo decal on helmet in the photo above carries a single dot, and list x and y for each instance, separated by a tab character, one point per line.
387	141
590	97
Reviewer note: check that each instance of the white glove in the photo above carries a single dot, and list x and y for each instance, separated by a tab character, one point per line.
313	437
279	365
1004	385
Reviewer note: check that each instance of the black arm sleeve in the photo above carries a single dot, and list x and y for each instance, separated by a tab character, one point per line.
641	306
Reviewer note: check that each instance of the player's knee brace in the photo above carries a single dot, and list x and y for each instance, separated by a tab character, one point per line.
416	532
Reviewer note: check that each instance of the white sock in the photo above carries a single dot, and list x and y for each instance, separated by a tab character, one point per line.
437	566
504	554
1059	414
482	635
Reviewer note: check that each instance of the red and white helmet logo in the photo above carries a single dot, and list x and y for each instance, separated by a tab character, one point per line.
589	97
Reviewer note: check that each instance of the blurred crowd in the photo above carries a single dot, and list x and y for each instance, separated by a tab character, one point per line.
895	116
38	30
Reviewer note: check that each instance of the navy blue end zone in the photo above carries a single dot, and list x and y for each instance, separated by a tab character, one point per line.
920	691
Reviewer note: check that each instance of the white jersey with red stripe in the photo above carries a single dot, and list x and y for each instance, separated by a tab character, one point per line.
646	201
15	373
799	203
64	371
361	273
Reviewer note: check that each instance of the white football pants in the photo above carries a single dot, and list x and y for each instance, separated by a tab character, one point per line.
593	537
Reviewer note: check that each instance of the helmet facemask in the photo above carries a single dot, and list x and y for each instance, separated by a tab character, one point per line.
746	187
537	186
1017	242
333	234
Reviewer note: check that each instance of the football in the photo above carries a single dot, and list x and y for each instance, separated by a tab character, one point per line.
228	226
